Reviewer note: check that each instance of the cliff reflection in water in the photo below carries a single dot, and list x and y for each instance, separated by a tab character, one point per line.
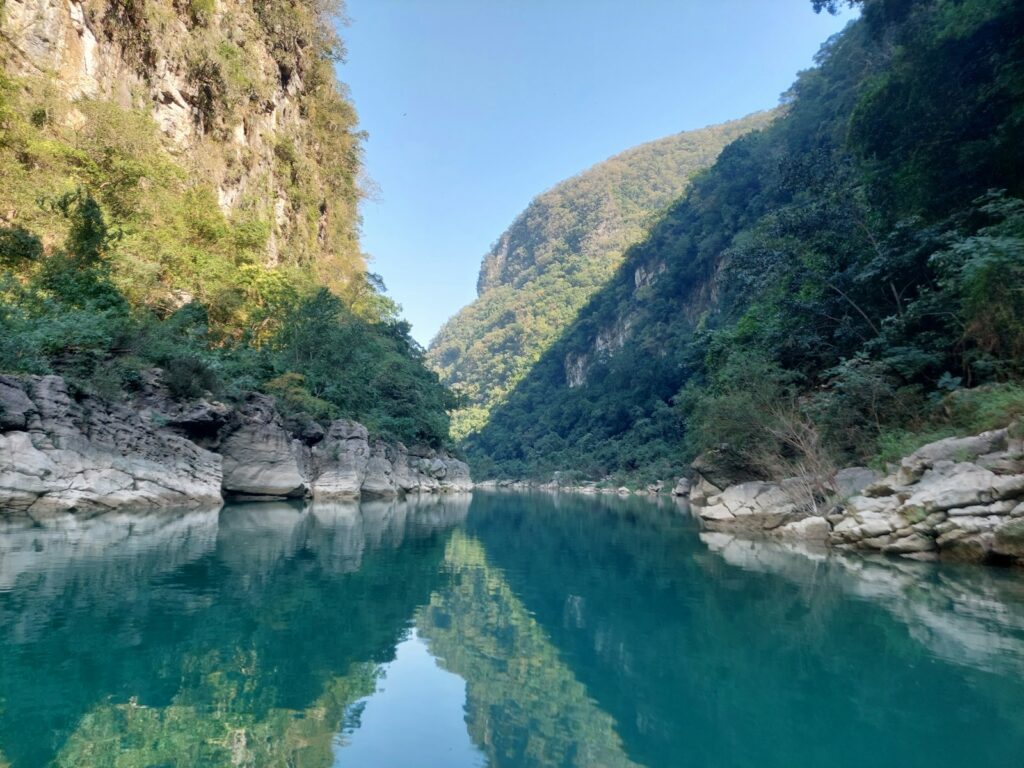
961	613
702	659
236	637
588	631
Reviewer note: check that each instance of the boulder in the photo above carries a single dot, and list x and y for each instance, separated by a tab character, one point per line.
1008	539
682	487
339	461
263	460
721	468
953	450
379	478
716	513
947	485
456	476
812	528
852	480
260	457
703	490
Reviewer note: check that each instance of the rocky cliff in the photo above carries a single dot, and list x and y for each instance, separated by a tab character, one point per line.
62	450
240	98
825	256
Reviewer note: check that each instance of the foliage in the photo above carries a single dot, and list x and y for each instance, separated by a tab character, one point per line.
372	372
844	268
118	254
555	256
963	411
321	359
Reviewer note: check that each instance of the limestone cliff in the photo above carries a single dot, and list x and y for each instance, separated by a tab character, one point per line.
241	101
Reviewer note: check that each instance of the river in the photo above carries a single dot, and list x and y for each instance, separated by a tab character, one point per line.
500	630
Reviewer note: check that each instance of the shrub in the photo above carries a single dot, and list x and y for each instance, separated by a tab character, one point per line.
189	377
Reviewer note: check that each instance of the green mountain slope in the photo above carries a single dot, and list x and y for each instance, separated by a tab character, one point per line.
836	286
556	255
180	190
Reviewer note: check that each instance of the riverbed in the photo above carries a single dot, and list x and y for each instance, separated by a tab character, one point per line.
502	629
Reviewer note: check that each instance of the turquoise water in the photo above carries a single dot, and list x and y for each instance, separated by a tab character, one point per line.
511	630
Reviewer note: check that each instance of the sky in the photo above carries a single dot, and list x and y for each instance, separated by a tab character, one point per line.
473	107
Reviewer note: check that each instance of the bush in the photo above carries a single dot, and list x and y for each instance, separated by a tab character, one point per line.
188	377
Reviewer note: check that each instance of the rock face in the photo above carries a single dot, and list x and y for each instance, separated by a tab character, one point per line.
958	499
961	498
62	454
224	84
61	451
260	457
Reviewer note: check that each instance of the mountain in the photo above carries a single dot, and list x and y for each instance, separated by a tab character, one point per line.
841	286
180	191
556	255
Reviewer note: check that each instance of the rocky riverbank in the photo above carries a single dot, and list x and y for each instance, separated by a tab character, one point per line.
955	499
62	450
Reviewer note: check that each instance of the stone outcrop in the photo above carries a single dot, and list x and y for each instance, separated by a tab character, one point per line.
682	487
260	457
958	498
65	451
62	453
961	498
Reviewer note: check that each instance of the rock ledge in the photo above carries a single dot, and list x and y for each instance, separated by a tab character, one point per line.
65	451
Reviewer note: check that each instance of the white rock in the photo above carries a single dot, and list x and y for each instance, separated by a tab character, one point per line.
810	529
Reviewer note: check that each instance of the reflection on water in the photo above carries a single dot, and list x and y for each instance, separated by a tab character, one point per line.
418	701
515	630
230	638
962	614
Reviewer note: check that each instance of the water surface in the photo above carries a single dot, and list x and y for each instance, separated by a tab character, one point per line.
506	630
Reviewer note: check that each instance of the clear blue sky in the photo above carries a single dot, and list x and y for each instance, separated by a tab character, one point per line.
473	107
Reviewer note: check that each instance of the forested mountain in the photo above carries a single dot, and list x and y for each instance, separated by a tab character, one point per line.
556	255
180	189
836	287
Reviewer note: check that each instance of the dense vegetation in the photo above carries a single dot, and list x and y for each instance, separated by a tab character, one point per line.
117	255
562	249
838	286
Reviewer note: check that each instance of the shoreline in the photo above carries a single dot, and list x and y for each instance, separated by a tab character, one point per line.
62	450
